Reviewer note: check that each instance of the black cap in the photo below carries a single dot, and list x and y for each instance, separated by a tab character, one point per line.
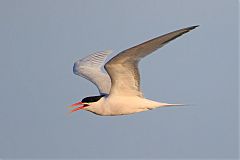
92	99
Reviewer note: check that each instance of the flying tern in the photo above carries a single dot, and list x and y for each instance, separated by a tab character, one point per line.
119	88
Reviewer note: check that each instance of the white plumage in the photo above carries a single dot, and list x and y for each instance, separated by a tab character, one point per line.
120	89
90	68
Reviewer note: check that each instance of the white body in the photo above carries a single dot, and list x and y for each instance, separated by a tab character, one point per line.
122	105
122	83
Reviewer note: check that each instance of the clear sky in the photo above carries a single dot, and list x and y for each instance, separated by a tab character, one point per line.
40	40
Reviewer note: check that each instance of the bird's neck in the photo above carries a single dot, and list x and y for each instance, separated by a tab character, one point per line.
97	107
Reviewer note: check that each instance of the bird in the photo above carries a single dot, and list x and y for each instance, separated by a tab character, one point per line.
119	87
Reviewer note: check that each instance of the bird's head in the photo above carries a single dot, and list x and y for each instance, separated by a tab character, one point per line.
85	103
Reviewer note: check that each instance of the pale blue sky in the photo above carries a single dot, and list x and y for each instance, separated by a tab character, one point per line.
40	40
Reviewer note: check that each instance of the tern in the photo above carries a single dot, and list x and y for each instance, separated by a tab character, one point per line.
119	88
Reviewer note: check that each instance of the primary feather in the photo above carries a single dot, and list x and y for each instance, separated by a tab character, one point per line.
90	68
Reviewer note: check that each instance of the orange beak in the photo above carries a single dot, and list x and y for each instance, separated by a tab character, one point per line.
78	108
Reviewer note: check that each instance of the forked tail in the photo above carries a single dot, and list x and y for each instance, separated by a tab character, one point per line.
170	105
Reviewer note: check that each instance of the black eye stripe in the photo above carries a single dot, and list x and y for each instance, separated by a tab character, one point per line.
92	99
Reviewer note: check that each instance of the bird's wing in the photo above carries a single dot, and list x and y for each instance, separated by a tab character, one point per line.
90	68
123	68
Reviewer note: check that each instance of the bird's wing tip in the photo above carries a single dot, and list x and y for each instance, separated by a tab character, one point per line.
193	27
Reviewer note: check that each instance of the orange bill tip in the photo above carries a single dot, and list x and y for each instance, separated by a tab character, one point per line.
76	109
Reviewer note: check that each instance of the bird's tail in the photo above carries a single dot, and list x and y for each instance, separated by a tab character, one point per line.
171	105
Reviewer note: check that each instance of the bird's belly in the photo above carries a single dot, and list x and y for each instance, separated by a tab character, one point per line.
125	105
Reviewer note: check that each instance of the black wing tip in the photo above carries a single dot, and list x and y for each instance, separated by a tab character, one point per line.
193	27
